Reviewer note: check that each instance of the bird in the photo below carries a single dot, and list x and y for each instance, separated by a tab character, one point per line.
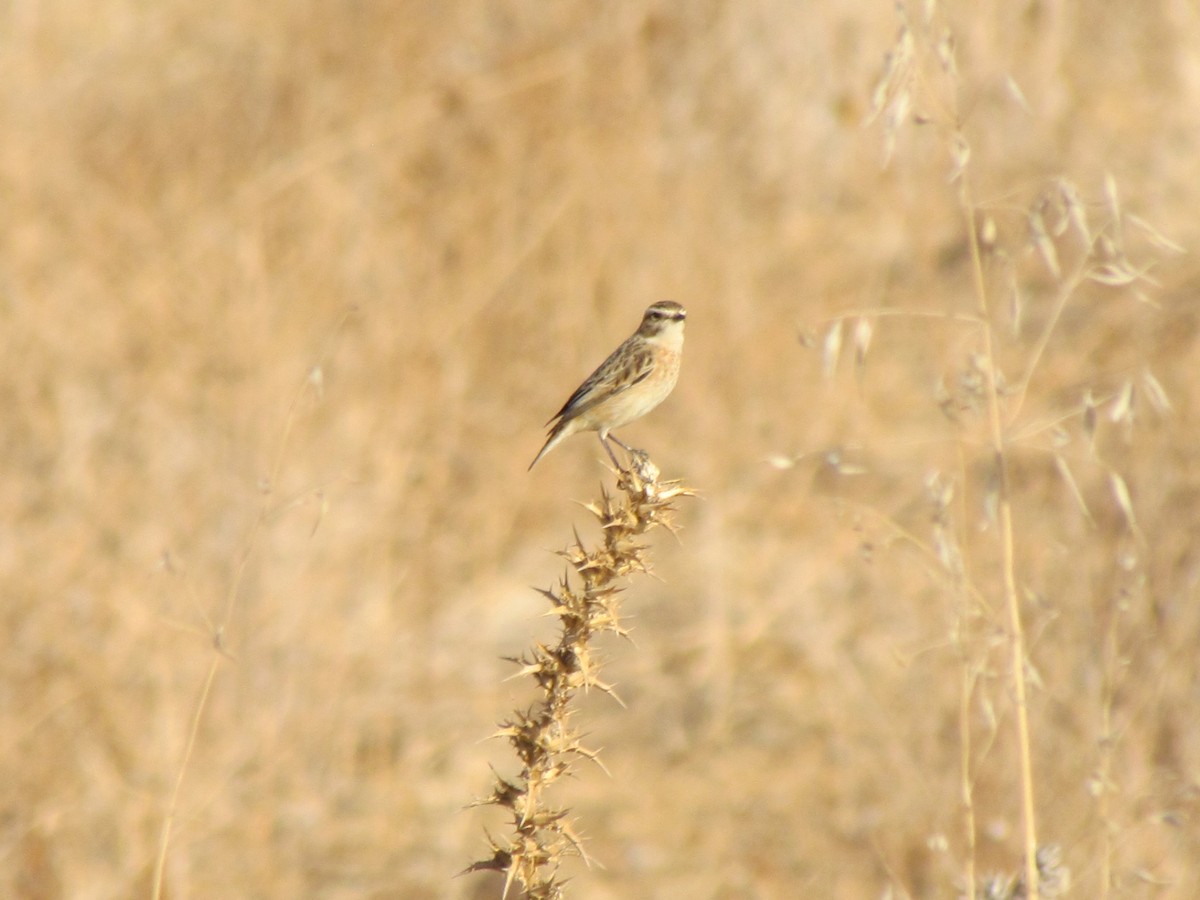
635	378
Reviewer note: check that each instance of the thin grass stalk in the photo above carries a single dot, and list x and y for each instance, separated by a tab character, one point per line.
1008	563
266	508
966	693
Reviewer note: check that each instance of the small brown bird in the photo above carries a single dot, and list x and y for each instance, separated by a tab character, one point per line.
632	381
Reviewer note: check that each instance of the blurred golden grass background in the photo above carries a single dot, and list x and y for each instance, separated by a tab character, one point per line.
288	290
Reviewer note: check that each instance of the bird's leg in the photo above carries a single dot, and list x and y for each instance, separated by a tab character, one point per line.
604	440
620	443
635	455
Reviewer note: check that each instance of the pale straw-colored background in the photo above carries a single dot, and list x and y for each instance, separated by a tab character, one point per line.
287	290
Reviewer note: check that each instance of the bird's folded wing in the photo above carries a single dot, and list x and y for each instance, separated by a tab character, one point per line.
621	371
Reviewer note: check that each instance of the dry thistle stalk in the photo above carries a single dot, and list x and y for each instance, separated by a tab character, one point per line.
543	736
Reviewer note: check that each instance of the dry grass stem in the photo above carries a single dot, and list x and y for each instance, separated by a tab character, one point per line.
269	504
1075	248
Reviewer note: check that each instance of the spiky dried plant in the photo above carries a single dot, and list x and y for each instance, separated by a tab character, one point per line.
543	736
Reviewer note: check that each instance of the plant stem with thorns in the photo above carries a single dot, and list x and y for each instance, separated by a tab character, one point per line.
543	736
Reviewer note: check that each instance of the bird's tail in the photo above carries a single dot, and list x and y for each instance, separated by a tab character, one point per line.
557	434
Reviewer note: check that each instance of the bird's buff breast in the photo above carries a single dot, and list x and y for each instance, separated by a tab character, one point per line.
638	400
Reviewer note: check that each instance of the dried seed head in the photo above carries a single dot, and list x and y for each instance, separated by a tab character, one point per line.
831	349
960	156
1156	393
1018	95
864	330
1089	418
1122	408
987	234
1040	239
